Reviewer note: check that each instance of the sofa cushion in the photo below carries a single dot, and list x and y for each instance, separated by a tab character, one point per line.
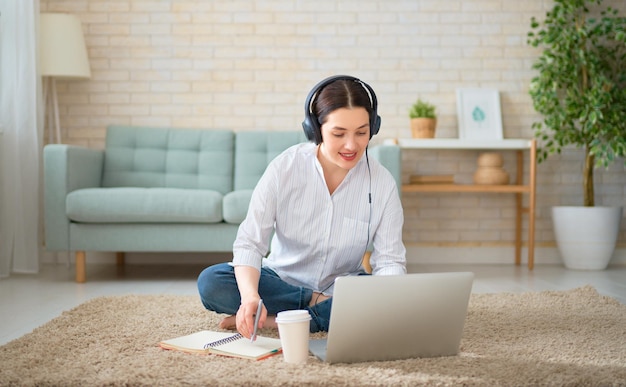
236	205
163	157
144	205
255	150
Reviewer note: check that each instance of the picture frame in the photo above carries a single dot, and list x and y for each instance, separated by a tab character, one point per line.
479	114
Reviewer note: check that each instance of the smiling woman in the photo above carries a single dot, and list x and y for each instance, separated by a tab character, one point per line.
324	203
346	136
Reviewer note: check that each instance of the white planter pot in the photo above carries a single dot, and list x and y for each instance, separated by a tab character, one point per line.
586	236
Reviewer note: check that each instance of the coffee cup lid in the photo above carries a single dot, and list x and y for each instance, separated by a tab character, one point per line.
288	316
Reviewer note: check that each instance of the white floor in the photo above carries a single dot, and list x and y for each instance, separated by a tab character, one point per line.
28	301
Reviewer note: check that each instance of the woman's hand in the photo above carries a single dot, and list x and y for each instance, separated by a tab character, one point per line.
248	284
247	314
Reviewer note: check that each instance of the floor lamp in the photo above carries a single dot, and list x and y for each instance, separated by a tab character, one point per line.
63	55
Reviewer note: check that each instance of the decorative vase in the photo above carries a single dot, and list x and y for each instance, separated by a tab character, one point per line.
489	171
586	236
423	127
490	159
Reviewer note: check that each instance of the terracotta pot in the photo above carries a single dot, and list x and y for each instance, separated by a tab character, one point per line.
423	127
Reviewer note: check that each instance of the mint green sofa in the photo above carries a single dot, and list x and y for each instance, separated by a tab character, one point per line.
160	189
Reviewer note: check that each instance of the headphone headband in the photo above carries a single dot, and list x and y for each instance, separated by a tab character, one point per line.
311	124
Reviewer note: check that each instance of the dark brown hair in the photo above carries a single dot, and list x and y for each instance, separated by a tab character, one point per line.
341	94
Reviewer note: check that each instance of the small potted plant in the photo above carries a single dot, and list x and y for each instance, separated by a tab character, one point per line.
423	119
580	91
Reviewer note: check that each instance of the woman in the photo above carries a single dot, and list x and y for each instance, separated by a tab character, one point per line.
326	203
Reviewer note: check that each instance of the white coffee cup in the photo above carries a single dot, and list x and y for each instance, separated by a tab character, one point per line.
293	329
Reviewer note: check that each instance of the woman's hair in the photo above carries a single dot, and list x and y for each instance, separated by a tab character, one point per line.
342	93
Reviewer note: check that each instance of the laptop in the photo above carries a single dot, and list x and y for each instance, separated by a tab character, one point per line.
378	318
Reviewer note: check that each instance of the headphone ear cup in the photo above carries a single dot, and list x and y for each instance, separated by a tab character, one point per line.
375	127
311	130
306	126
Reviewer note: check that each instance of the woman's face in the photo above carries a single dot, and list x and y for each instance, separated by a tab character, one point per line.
345	136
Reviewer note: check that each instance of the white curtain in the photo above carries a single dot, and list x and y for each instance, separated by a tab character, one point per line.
21	120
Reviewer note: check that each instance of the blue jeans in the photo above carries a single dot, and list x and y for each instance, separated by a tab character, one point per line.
219	293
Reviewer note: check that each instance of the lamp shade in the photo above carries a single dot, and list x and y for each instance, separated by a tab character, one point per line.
63	53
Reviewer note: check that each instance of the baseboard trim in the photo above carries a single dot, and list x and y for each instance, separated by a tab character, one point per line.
489	255
98	257
415	255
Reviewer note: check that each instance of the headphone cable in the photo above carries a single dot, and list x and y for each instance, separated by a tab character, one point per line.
369	224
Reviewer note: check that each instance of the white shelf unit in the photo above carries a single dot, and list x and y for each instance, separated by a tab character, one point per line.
518	188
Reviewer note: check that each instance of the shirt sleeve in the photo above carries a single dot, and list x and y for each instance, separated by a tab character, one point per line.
389	254
253	236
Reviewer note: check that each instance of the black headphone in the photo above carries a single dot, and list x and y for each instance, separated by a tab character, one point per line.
311	124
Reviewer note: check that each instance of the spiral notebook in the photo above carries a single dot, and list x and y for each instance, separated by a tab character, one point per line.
225	344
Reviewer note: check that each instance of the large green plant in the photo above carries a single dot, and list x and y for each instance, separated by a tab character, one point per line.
580	89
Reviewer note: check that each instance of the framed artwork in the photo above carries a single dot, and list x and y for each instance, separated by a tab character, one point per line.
479	114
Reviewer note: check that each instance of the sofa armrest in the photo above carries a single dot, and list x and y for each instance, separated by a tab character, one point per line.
389	156
66	169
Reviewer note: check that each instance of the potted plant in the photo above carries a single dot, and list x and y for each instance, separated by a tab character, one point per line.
580	90
423	119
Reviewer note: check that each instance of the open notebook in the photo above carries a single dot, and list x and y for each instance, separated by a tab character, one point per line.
224	343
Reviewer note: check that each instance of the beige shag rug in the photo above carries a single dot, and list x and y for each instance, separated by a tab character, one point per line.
575	337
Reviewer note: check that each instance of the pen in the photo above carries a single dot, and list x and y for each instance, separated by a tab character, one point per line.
256	320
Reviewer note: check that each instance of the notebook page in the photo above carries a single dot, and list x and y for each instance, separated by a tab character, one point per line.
243	347
195	342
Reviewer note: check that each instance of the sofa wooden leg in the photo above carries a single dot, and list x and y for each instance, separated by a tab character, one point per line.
81	276
120	258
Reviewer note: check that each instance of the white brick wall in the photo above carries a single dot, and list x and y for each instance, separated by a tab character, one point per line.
248	65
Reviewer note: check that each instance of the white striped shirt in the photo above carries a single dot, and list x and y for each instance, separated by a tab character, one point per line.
319	236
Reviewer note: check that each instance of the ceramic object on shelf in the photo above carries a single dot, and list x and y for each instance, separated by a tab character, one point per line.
491	176
490	171
490	159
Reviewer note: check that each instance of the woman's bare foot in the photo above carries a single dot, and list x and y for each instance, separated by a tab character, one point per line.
317	298
270	322
229	322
